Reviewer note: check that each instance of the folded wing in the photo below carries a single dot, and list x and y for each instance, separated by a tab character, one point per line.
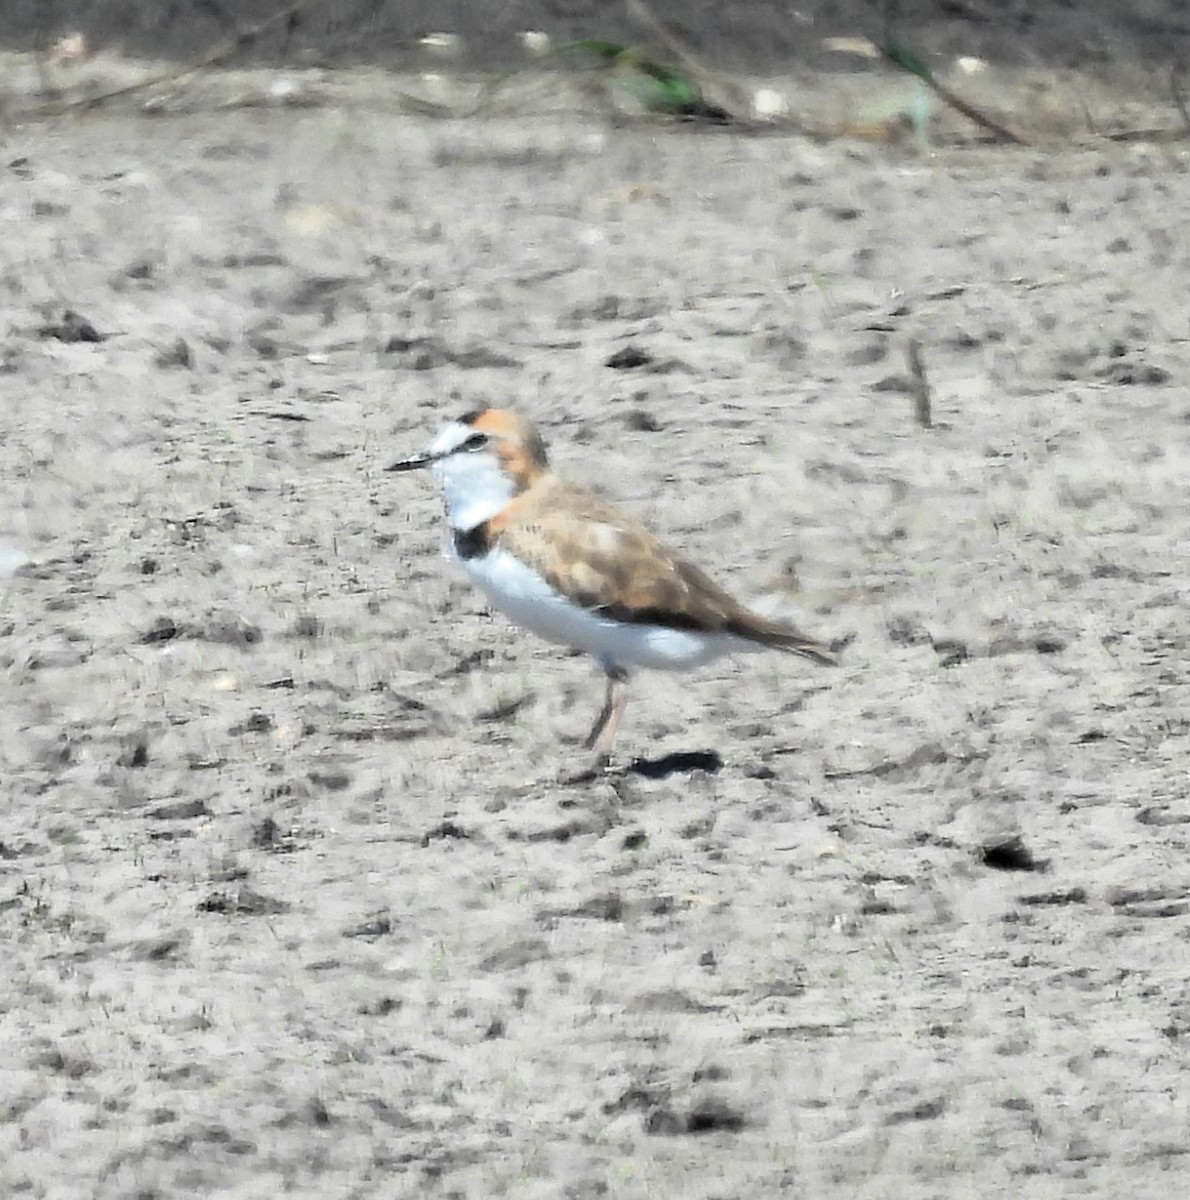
601	558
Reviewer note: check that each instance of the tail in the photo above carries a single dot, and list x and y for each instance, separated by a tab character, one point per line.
779	636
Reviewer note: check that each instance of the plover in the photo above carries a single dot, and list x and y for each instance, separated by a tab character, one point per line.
573	568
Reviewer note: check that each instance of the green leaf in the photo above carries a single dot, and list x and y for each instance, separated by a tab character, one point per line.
907	61
659	88
609	51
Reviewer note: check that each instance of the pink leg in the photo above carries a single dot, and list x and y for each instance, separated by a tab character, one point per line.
603	733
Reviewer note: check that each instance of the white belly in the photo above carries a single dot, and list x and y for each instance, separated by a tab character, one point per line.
524	597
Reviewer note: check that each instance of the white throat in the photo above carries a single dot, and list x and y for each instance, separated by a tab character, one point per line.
476	488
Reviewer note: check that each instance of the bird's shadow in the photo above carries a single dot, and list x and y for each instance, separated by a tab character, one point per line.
677	762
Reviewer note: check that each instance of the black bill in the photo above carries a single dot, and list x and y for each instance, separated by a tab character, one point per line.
412	464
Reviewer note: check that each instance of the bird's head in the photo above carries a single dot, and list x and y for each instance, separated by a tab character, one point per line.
482	460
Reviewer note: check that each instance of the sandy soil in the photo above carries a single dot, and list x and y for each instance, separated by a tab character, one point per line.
295	895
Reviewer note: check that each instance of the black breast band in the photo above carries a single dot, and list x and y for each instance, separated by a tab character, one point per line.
474	542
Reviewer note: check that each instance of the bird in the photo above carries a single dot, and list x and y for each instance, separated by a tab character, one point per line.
561	561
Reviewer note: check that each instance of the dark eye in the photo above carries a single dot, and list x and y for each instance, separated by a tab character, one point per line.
476	441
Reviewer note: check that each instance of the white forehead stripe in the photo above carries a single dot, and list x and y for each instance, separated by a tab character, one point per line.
451	438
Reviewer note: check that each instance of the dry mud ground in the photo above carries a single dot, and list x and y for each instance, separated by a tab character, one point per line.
296	898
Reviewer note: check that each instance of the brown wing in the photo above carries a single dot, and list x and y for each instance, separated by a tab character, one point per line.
603	559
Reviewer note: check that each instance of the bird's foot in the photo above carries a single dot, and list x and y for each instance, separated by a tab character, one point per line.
588	769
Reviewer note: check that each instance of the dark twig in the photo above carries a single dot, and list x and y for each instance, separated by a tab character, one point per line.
972	113
922	397
899	56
